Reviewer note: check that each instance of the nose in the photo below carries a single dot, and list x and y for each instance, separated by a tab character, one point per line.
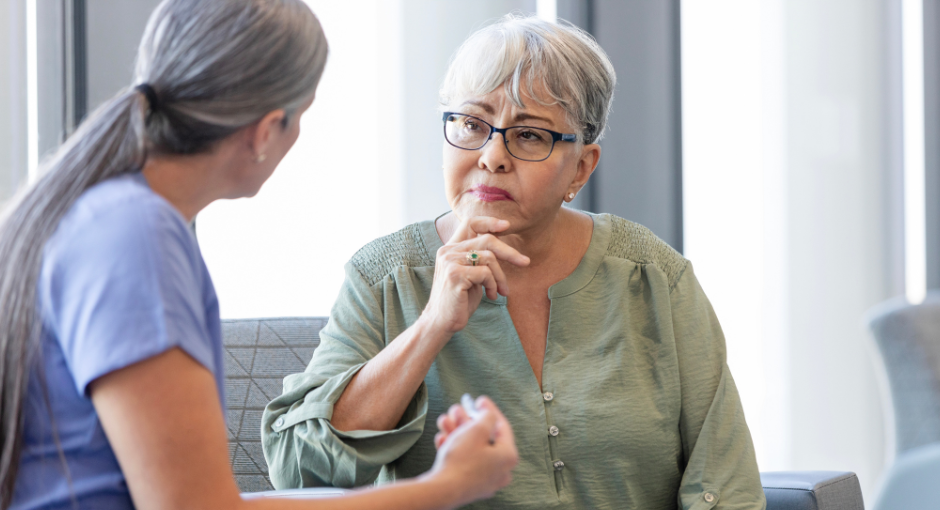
494	156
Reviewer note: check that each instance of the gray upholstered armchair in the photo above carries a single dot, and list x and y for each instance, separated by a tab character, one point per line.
261	352
908	340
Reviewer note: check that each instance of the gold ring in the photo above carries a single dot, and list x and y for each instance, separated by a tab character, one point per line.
473	257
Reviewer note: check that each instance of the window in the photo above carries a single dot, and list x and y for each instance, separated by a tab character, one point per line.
282	252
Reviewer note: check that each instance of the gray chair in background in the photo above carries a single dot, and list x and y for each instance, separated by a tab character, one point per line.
908	340
258	355
261	352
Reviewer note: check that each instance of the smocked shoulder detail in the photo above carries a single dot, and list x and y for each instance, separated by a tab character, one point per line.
380	257
632	241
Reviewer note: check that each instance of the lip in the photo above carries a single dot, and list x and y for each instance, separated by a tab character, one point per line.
490	193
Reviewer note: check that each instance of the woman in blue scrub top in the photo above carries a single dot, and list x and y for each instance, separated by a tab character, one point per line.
110	344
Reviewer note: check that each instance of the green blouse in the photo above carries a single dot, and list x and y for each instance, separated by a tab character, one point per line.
637	408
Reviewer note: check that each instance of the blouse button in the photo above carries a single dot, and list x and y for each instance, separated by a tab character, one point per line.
279	422
548	396
553	431
559	465
709	497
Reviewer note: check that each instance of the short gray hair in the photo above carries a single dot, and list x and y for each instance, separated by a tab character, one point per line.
525	52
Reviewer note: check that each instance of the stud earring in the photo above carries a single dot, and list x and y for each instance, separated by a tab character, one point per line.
570	196
260	158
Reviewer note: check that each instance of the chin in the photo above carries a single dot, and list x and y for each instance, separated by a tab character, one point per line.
243	193
493	209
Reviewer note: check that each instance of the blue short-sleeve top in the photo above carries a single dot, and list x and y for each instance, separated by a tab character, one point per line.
122	280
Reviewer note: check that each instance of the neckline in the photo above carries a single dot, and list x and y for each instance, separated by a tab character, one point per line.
577	280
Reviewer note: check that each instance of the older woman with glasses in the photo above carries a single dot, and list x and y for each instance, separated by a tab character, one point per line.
592	335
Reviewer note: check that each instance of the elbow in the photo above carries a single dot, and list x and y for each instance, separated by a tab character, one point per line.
283	465
284	477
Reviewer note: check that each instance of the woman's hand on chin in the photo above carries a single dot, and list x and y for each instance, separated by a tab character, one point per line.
458	285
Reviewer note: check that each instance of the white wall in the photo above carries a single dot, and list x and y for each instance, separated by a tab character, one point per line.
785	156
282	252
837	233
722	182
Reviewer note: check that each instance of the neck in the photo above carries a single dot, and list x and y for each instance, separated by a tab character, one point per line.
188	183
538	242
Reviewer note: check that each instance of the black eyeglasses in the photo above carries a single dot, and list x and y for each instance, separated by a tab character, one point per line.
522	142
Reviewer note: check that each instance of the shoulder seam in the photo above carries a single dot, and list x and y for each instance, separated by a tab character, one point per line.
634	242
679	276
379	258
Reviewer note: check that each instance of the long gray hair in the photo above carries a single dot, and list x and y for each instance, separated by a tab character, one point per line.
215	66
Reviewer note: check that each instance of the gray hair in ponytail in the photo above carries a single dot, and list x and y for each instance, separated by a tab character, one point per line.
215	66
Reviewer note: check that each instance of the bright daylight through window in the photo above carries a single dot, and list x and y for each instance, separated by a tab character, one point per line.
282	252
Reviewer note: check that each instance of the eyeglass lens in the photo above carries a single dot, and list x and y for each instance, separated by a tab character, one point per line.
527	143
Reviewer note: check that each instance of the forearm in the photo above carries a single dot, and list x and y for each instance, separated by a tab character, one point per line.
423	493
377	396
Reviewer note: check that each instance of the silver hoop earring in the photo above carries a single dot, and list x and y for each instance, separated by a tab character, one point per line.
260	158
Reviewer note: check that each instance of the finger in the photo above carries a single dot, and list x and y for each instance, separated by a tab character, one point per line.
502	427
488	259
458	415
500	249
476	225
464	417
464	278
445	423
482	275
439	439
475	433
479	428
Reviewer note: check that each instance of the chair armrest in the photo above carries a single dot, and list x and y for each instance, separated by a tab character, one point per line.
785	490
311	493
812	490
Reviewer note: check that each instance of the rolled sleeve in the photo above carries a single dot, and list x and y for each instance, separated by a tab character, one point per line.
300	444
721	466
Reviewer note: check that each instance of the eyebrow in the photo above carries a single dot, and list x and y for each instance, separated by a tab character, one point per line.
528	116
485	106
522	116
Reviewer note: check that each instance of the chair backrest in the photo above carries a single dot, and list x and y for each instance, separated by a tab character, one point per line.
259	353
908	339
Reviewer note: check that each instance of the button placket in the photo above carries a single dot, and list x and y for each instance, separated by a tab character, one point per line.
553	431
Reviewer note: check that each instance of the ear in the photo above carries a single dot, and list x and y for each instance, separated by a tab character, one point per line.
265	131
590	155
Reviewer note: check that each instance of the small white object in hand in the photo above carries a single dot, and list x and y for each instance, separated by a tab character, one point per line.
466	401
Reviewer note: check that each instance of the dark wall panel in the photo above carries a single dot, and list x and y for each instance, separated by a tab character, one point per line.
640	173
932	137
